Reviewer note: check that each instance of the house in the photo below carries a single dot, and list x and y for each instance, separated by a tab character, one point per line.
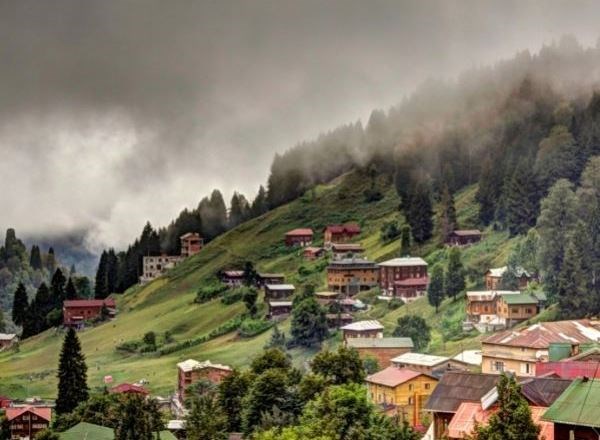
232	278
542	391
519	351
279	291
463	237
469	357
312	253
25	422
512	309
341	251
192	371
191	244
299	237
269	278
454	388
382	349
156	266
362	329
326	298
340	233
428	363
493	278
338	319
584	364
470	414
482	305
7	340
575	413
405	277
5	402
401	393
279	308
127	388
353	275
77	311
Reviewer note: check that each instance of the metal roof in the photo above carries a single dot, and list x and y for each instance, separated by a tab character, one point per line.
364	325
427	360
280	286
578	405
456	387
392	376
403	261
380	343
523	298
192	364
471	357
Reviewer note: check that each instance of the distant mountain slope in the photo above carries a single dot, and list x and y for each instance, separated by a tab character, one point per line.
167	304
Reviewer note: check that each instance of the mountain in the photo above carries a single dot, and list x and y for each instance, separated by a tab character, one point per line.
167	304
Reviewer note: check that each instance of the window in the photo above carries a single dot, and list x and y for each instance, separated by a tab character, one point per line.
514	310
411	400
427	386
497	366
528	311
410	387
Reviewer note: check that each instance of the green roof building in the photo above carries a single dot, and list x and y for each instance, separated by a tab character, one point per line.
576	413
89	431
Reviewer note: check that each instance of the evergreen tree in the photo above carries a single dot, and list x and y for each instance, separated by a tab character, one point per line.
206	420
57	288
488	191
513	419
35	258
250	274
51	261
447	216
405	241
309	324
72	375
20	305
416	328
138	419
2	322
239	210
277	339
70	290
420	213
435	291
454	280
557	157
232	390
259	205
37	313
101	286
112	271
521	200
250	296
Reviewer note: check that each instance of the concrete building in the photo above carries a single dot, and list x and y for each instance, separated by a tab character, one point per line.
191	371
191	244
362	329
350	276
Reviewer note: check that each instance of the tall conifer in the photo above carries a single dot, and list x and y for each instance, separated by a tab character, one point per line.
72	375
20	305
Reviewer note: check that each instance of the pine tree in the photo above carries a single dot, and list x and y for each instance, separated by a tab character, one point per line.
521	200
405	241
250	274
70	290
447	216
101	287
2	322
57	288
20	305
138	419
239	210
309	324
513	419
112	271
435	291
72	375
455	274
35	258
420	213
51	261
259	205
277	339
488	191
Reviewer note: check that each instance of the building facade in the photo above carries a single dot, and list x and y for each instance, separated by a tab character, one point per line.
191	244
7	340
299	237
464	237
493	278
156	266
405	277
340	233
192	371
77	311
382	349
350	276
279	291
362	329
26	422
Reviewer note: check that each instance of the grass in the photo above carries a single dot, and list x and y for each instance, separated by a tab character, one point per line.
167	304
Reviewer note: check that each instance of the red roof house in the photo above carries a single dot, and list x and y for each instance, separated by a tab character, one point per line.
5	401
127	388
299	237
340	233
27	421
77	311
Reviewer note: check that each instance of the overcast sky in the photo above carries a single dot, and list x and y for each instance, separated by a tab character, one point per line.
114	112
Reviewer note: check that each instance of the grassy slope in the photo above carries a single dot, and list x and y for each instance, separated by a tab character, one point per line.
167	303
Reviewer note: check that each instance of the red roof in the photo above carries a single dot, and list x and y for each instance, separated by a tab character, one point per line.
108	302
392	376
128	388
568	370
300	232
41	411
348	228
469	413
412	282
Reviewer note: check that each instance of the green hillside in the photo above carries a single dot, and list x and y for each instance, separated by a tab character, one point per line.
168	303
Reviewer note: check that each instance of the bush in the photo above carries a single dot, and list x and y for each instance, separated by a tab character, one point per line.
390	231
229	326
253	327
129	346
395	303
233	296
207	293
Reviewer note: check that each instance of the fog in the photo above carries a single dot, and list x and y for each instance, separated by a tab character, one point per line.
117	112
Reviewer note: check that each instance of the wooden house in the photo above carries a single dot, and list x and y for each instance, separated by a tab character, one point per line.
191	244
128	388
269	278
341	251
77	311
576	412
338	319
326	298
340	233
405	278
512	309
299	237
7	340
382	349
5	402
464	237
312	253
279	291
279	309
362	329
350	276
25	422
482	306
192	371
232	278
493	278
401	393
429	364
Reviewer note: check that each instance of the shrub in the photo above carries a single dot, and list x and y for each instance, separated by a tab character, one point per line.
390	231
395	303
233	296
129	346
252	327
207	293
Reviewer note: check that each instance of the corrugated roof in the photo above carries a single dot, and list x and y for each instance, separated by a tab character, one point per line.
412	282
108	302
466	232
300	231
348	228
543	391
352	262
392	376
128	388
498	272
403	261
41	411
471	357
380	343
578	405
88	431
346	247
456	387
280	303
522	298
192	364
488	295
569	369
280	286
427	360
541	335
7	336
364	325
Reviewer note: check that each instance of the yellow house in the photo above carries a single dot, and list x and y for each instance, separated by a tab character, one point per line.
402	392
